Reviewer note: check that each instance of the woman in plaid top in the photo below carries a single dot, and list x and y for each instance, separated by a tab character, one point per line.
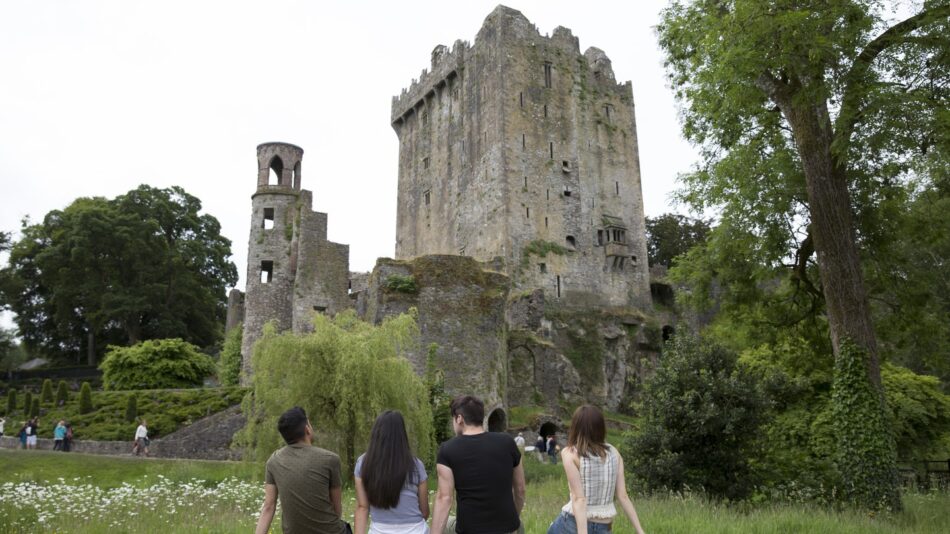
594	476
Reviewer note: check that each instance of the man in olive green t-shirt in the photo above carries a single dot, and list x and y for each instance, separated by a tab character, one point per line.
305	478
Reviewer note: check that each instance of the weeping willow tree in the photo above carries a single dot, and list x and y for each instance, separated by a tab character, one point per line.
343	374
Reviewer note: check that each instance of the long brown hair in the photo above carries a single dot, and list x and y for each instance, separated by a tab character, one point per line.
588	432
388	463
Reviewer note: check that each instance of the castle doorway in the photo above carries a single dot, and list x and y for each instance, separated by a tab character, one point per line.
548	429
497	421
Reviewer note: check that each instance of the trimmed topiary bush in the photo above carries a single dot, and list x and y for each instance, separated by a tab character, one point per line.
131	409
155	364
46	394
35	408
62	393
27	402
85	398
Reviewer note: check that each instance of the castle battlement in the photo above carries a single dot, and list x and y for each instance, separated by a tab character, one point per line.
444	66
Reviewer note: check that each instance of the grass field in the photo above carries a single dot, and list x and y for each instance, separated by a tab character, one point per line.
53	492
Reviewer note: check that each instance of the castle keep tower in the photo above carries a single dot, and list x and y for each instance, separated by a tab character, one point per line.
292	270
521	147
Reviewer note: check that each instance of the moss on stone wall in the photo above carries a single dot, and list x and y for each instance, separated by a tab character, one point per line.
401	284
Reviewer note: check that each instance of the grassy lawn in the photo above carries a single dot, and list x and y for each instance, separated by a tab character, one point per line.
108	494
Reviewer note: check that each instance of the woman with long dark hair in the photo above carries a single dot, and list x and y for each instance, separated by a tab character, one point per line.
391	485
594	476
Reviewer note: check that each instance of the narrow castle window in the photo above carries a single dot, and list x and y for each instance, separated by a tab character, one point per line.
545	110
426	196
543	267
607	112
276	173
600	238
521	98
547	74
545	222
547	192
617	185
425	162
558	286
267	271
522	141
566	166
268	222
551	149
527	212
633	260
567	192
320	309
526	181
571	242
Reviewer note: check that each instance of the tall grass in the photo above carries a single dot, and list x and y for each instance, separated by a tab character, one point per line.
171	496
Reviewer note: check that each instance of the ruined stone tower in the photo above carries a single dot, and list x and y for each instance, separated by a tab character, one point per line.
292	270
523	148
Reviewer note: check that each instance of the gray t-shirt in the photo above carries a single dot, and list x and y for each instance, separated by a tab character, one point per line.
407	511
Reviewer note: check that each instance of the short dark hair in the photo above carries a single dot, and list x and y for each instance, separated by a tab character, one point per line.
292	424
472	409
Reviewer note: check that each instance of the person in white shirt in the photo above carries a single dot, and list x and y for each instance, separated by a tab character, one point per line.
2	422
519	441
141	439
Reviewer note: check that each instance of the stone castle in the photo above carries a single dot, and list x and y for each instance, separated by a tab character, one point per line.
520	230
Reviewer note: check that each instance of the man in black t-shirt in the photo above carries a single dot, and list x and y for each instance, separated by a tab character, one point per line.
484	469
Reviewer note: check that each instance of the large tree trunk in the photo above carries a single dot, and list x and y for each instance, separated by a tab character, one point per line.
849	314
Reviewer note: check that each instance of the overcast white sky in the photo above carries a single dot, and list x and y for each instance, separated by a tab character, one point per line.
97	97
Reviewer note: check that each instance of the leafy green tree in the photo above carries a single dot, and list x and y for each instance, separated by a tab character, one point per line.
46	393
670	236
156	364
11	401
131	408
35	408
809	115
145	265
11	354
85	398
343	374
62	393
701	414
229	361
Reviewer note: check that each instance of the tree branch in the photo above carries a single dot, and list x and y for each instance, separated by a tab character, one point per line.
854	91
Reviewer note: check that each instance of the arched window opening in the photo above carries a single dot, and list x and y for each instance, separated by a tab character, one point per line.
571	242
497	421
275	176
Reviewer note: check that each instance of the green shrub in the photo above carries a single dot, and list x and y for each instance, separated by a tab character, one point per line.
27	402
701	415
131	409
155	364
85	398
46	394
438	400
229	362
402	284
62	393
35	408
11	401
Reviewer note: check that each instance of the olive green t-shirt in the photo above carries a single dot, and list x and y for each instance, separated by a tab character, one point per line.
304	475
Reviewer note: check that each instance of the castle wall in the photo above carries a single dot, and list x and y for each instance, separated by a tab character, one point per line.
519	142
461	308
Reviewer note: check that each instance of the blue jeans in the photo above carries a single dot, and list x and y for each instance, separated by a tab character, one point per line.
565	524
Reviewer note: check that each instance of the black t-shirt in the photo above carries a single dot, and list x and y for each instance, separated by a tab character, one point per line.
483	465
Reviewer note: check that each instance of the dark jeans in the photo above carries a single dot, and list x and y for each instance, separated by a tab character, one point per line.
566	524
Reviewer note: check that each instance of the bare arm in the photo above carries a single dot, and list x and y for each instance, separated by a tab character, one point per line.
424	499
518	486
268	509
336	498
625	499
361	517
443	499
578	498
